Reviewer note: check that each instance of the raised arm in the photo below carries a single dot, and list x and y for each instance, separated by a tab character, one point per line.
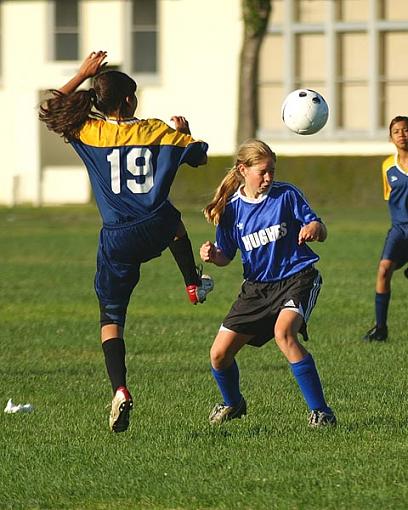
210	253
91	66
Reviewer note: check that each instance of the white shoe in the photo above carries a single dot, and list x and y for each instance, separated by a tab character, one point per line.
319	419
222	412
122	404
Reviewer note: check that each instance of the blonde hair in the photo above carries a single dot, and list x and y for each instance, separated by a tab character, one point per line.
249	153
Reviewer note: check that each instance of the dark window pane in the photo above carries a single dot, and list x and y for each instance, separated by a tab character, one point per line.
66	46
144	52
144	12
66	13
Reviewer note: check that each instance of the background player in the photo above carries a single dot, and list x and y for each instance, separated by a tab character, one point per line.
131	165
269	222
395	252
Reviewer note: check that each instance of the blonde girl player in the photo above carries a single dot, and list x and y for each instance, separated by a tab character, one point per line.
395	251
131	165
271	224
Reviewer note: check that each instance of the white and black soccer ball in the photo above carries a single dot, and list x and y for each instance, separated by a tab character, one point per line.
305	111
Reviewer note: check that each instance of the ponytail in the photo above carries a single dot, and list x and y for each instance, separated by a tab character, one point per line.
65	114
228	186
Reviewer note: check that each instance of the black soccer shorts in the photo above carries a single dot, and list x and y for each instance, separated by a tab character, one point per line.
258	305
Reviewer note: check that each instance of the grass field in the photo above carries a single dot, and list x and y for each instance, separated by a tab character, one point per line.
62	456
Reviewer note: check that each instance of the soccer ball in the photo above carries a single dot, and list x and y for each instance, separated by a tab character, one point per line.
305	111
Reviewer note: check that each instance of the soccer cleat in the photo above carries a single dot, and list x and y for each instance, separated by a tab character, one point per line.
198	293
377	333
319	419
222	413
122	404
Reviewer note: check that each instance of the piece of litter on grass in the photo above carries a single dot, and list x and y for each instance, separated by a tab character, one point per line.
17	408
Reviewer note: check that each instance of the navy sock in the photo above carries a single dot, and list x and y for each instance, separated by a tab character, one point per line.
308	379
182	252
115	352
228	383
381	308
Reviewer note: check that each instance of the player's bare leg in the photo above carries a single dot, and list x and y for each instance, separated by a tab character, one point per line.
287	327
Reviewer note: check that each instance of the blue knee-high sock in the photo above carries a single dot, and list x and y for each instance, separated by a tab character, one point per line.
228	383
381	308
308	379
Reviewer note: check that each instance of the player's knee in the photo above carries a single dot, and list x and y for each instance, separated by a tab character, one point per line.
384	271
284	337
218	358
112	314
281	334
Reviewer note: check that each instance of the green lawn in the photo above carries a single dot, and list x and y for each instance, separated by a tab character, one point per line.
63	455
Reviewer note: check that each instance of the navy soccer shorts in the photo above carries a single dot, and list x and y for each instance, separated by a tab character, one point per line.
396	245
122	249
258	305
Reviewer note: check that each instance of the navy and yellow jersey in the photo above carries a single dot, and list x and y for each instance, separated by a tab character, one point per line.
266	230
132	165
395	181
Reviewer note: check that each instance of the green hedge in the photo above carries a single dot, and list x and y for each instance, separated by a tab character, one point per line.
335	181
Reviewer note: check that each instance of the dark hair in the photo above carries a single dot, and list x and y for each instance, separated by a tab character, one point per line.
398	118
65	114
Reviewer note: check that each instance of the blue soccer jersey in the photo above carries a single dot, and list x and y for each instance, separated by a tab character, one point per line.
132	165
266	230
395	181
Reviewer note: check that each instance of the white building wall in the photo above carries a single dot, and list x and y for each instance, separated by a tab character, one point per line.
23	47
199	44
199	65
103	26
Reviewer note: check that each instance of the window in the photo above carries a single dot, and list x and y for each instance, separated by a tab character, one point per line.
393	74
309	11
348	50
393	10
271	69
309	65
144	32
66	29
352	81
352	10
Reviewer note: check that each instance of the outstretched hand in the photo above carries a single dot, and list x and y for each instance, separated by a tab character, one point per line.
93	64
181	124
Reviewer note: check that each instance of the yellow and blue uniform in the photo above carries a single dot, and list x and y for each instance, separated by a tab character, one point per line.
131	165
395	184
